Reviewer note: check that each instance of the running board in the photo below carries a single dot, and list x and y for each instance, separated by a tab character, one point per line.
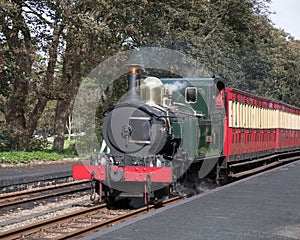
254	170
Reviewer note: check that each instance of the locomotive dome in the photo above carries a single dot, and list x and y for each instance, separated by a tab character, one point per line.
152	91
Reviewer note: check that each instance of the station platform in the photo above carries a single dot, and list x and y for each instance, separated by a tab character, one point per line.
264	207
17	177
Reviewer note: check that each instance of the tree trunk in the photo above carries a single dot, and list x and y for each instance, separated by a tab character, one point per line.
63	108
69	127
70	81
23	55
45	92
16	123
15	104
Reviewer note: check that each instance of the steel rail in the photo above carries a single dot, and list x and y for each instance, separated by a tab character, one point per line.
42	225
107	223
27	196
46	188
52	222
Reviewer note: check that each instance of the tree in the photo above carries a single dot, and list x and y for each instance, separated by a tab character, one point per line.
86	38
19	43
50	45
57	30
286	84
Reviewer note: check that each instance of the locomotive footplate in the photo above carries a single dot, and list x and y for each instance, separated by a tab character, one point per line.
123	173
111	175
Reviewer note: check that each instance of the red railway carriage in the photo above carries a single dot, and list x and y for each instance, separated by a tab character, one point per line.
257	126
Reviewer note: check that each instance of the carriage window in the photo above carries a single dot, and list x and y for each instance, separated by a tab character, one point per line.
191	94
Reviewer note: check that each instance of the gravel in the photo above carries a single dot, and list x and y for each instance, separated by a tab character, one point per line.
20	217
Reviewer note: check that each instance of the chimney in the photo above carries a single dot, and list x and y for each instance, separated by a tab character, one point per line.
134	74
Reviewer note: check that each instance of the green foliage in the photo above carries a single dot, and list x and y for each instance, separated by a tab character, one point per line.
24	157
9	142
69	147
13	143
49	46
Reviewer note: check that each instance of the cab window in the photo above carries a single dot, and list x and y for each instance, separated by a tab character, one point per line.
191	94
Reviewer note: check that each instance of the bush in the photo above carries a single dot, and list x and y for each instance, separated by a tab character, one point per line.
23	157
38	144
10	142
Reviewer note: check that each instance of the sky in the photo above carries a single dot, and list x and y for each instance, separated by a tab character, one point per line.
287	16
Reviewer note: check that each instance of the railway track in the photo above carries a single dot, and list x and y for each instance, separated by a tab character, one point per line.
13	199
78	223
90	219
110	222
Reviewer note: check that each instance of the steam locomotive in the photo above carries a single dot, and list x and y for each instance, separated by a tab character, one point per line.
169	135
